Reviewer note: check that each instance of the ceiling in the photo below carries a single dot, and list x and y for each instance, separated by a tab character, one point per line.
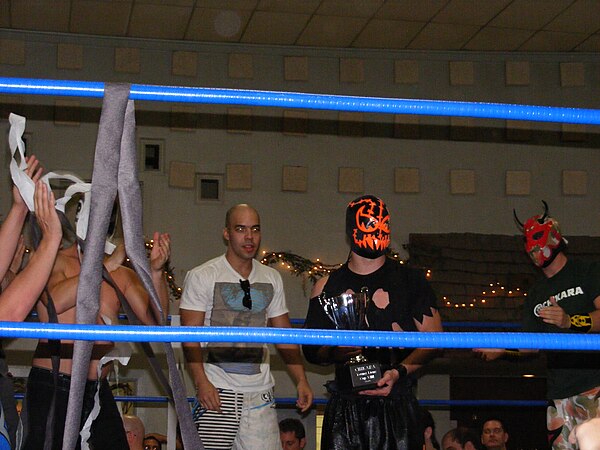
445	25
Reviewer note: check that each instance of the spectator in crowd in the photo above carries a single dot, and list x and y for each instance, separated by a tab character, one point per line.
106	429
460	438
292	434
21	290
431	442
156	440
152	442
134	429
494	434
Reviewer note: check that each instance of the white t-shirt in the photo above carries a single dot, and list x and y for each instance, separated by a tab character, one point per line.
214	288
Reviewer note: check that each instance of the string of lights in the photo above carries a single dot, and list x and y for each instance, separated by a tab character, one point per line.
310	270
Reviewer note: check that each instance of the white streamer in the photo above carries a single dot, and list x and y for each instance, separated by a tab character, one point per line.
26	186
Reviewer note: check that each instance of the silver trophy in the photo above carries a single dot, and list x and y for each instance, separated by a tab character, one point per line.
348	312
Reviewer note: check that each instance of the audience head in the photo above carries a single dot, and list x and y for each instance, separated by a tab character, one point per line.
429	430
494	434
134	428
292	434
152	443
460	439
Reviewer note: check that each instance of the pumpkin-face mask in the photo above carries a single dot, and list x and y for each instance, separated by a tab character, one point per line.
368	226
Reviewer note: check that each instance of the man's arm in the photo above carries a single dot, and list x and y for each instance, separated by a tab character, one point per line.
290	353
414	361
207	394
421	356
585	323
134	291
20	296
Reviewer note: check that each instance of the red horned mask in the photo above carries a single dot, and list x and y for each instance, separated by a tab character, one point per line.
543	239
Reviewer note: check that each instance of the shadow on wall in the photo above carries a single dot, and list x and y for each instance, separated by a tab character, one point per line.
244	120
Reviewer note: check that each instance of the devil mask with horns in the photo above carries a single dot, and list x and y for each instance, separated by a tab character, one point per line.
543	240
368	226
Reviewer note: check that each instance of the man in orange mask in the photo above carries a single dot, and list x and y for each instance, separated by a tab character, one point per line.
385	415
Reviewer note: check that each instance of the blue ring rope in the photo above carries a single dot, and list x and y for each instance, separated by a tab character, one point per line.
139	333
32	86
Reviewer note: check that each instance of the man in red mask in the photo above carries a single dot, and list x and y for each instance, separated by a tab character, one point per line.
384	416
565	300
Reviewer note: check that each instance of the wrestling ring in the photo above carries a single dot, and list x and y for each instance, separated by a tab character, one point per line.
168	334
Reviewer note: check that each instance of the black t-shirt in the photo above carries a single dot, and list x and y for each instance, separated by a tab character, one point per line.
574	288
399	296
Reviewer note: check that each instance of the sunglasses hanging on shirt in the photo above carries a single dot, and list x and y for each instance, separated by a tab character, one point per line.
247	300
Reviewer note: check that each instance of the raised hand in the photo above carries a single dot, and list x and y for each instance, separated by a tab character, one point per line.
45	213
35	171
161	251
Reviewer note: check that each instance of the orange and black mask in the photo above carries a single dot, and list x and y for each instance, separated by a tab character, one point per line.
368	226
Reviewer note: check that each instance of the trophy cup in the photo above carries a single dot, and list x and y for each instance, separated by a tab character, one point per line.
348	312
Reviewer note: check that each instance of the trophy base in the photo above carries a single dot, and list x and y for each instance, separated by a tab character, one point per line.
364	375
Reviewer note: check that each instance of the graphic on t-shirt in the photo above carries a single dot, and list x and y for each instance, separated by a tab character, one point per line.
232	295
229	311
571	292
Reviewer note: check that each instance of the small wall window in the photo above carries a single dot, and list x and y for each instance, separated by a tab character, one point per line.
152	155
209	188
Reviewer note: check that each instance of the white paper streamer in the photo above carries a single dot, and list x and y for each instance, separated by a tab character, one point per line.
26	186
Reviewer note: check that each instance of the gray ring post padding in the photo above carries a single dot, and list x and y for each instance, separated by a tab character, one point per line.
115	169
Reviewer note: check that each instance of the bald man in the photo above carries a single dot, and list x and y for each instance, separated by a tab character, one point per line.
134	428
234	383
